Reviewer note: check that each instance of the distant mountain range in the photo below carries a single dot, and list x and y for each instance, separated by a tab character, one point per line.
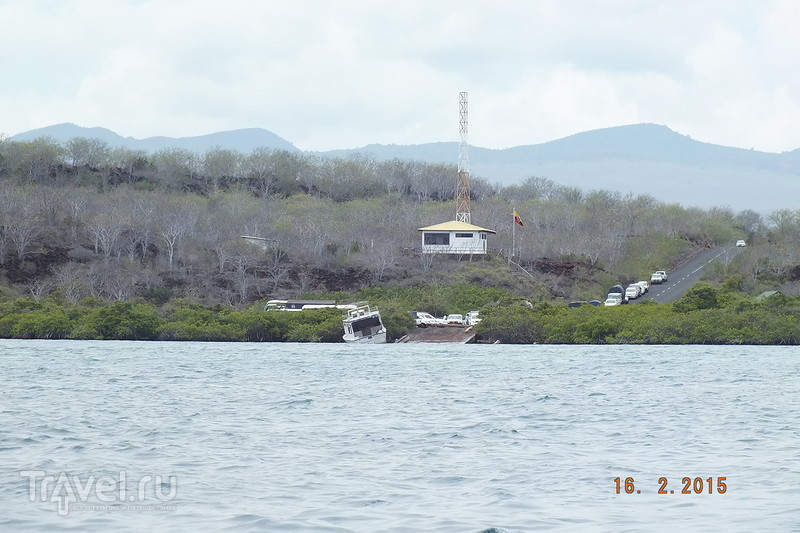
245	140
639	159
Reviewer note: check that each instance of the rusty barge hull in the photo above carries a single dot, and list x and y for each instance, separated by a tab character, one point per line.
454	334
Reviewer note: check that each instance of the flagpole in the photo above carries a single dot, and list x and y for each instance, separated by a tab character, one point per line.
513	233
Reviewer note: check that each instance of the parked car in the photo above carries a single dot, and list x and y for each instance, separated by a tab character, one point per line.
614	299
472	318
663	275
632	292
656	279
581	303
644	285
455	318
423	319
740	243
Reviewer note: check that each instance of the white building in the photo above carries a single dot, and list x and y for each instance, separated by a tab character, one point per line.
454	237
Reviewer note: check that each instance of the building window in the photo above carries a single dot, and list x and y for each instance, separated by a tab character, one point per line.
463	235
437	239
483	236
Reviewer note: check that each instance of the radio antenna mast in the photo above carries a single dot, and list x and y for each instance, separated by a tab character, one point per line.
462	181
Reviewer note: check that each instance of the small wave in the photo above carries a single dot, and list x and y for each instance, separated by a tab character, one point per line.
375	502
256	522
291	404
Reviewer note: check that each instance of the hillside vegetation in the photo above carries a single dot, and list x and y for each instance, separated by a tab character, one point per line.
86	225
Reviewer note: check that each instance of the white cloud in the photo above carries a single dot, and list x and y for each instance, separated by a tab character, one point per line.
345	74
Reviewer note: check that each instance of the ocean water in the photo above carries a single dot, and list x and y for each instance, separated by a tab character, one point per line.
126	436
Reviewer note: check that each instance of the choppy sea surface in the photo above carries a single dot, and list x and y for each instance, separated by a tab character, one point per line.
127	436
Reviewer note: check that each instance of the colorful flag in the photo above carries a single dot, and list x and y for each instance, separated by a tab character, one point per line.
517	219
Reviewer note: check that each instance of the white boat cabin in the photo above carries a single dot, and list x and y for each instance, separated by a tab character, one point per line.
305	305
454	237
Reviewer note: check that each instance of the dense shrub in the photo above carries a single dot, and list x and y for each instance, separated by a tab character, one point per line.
699	318
705	315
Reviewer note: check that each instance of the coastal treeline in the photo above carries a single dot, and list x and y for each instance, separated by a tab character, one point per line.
55	317
704	315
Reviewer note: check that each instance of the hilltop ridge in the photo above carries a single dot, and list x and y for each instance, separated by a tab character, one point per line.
243	140
634	159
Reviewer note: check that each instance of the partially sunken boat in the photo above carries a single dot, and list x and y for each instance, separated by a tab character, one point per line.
364	325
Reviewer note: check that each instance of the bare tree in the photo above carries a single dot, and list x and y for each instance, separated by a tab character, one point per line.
4	153
133	162
72	280
442	181
23	222
292	170
750	222
260	167
75	200
634	209
397	175
35	160
243	261
106	228
220	164
277	266
85	152
176	219
40	287
308	176
304	281
384	256
786	221
140	225
115	281
175	166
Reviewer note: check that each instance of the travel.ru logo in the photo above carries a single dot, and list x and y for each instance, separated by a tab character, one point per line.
113	494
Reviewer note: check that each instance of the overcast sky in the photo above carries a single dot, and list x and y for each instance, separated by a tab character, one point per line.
343	74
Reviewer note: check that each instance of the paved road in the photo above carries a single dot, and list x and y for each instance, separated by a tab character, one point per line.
681	279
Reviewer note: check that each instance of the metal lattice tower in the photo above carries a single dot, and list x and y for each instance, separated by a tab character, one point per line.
462	181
